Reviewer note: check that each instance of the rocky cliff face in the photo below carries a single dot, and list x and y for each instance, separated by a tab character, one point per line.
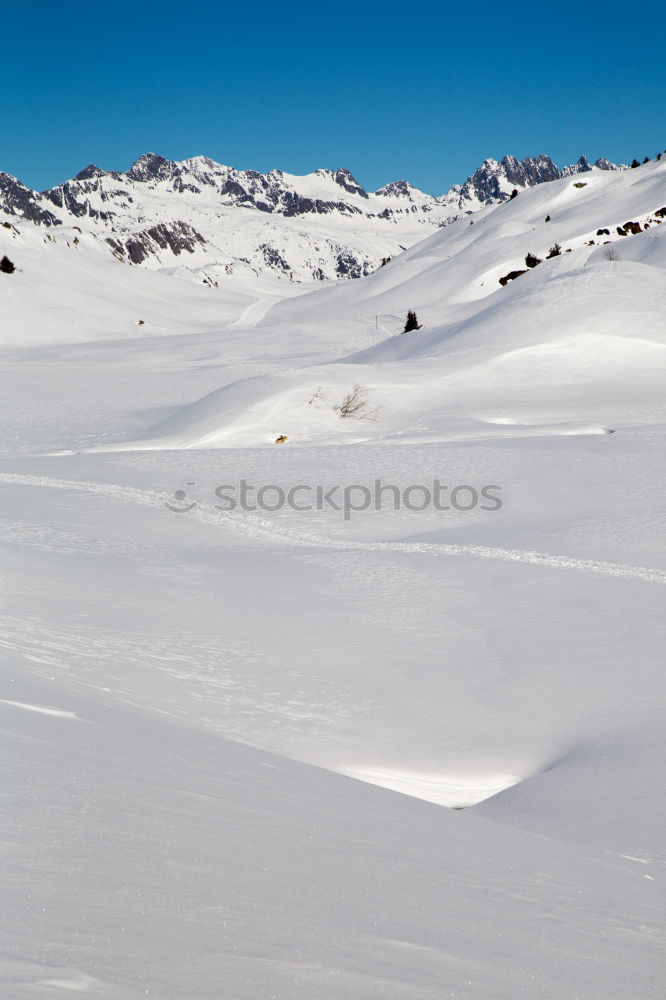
176	238
493	181
323	225
16	199
325	191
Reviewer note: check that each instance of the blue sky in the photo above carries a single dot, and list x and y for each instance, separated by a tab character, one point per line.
420	91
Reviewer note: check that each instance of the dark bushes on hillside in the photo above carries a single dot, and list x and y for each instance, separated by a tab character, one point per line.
511	276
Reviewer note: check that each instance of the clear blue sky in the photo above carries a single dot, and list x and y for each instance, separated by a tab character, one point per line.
415	90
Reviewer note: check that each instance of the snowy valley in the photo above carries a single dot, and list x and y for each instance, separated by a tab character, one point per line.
369	749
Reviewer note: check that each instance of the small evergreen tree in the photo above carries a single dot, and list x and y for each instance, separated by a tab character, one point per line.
635	163
411	323
646	159
514	194
554	251
531	260
6	266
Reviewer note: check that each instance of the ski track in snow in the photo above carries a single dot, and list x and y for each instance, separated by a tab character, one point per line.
261	528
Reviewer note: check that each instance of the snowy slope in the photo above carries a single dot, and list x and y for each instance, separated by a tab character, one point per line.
560	328
199	704
463	262
67	287
163	863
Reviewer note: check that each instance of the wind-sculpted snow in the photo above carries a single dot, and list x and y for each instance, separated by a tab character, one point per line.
206	868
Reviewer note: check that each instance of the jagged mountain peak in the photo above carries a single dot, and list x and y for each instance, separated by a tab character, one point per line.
342	177
346	180
195	162
529	170
494	180
603	164
161	211
581	166
151	166
18	200
91	171
398	189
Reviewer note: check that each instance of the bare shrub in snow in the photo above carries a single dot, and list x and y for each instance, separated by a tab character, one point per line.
355	405
611	254
318	396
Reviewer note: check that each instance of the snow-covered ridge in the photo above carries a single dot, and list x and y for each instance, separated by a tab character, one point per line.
221	220
443	275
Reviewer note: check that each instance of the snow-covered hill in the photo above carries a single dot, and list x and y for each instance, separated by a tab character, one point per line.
568	321
67	286
231	734
218	221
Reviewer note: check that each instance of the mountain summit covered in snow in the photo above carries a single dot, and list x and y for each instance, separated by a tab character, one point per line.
211	220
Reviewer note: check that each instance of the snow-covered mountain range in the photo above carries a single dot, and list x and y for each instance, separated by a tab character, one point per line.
211	221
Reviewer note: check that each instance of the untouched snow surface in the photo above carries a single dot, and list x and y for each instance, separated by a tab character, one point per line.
198	705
